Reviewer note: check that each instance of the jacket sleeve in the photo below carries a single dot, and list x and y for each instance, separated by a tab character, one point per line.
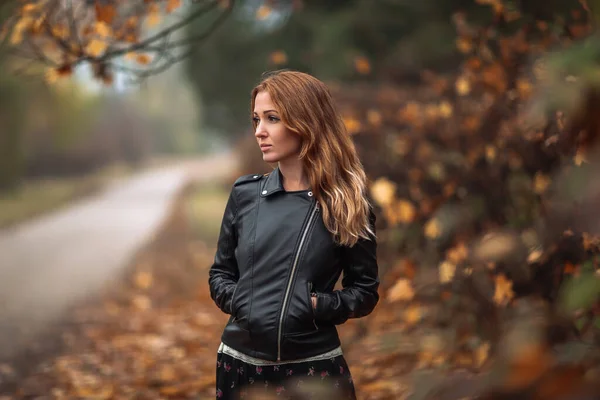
224	273
359	295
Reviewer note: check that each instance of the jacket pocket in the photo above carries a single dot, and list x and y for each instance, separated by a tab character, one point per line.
233	299
240	304
310	304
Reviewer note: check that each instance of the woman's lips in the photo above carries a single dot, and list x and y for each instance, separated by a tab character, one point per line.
265	147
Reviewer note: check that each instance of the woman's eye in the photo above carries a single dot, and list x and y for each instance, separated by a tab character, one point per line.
273	118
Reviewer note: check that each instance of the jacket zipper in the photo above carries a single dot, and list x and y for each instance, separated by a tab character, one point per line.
287	291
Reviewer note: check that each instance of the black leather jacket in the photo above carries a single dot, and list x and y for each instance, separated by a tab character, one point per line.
273	251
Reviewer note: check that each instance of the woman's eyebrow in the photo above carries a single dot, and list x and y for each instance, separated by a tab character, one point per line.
267	111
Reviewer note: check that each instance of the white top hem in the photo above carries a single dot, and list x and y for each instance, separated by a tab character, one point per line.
223	348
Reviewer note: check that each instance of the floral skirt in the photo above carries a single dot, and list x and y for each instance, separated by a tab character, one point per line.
321	379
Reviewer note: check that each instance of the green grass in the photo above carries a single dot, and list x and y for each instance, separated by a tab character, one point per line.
205	206
38	197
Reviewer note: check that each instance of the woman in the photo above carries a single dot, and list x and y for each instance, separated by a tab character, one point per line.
285	239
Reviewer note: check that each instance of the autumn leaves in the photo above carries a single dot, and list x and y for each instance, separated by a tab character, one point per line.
63	34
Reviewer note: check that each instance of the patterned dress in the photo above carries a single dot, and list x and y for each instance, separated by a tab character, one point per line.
325	376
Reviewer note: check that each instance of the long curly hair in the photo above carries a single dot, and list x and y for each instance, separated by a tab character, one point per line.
328	153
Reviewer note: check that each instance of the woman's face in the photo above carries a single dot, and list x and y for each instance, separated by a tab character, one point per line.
276	142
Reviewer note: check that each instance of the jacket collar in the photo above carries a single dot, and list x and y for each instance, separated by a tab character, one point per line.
272	184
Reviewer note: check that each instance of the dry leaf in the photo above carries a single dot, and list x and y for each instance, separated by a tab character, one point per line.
143	59
263	12
96	47
481	354
503	292
141	302
153	17
102	29
143	280
105	12
463	87
535	256
432	229
446	271
458	253
352	125
580	157
51	75
172	5
401	291
412	314
382	191
362	65
278	57
445	109
406	211
540	183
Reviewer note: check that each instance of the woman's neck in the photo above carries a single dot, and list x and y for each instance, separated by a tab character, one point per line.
293	175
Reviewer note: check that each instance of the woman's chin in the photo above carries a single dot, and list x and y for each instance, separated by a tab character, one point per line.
270	158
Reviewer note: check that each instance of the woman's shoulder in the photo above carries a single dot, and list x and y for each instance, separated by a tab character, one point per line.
248	178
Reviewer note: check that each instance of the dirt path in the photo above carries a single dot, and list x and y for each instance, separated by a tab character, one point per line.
51	263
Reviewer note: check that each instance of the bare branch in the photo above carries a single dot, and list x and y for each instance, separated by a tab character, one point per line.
165	32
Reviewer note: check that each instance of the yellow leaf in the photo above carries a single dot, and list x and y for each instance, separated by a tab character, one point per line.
263	12
61	31
96	47
51	75
412	314
352	125
401	146
464	45
141	303
463	86
374	117
580	158
143	279
534	256
362	65
540	183
401	291
524	88
16	36
105	12
503	292
30	7
383	191
490	153
172	5
481	354
406	211
278	57
102	29
445	109
153	15
457	254
143	59
446	271
432	229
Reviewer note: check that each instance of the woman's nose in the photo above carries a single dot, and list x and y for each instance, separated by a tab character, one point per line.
259	132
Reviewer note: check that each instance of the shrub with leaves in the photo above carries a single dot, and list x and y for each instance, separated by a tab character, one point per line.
484	182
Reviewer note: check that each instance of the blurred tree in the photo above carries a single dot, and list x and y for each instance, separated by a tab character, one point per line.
384	41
